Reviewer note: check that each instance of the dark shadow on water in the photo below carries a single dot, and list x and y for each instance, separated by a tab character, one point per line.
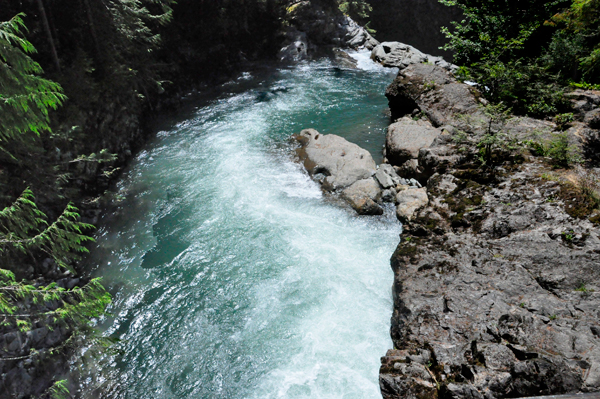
170	239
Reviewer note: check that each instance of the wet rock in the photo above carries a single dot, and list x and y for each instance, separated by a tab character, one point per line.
406	137
343	59
400	55
409	201
297	47
362	196
388	195
335	160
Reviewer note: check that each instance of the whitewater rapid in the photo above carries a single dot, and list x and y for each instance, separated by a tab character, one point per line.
233	275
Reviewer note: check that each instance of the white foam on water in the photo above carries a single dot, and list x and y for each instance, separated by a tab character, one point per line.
364	61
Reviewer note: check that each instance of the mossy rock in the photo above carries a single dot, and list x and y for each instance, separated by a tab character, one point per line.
577	204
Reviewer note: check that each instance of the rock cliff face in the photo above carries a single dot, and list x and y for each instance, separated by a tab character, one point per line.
496	287
316	28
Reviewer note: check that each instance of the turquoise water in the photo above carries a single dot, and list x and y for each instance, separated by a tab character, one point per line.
233	276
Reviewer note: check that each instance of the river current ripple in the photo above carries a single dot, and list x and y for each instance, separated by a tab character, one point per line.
233	276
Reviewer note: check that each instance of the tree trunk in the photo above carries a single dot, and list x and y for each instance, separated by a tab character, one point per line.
48	34
90	17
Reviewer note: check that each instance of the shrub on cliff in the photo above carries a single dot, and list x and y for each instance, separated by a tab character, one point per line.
524	53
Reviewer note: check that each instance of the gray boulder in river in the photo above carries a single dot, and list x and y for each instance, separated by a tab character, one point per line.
337	162
337	165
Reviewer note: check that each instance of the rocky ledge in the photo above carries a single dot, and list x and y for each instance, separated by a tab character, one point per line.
497	275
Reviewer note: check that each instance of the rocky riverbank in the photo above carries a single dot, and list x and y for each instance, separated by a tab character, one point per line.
496	276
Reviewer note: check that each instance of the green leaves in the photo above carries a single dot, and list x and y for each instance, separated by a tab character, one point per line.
25	97
24	228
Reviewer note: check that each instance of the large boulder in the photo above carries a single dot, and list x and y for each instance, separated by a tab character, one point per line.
409	201
400	55
333	160
363	196
435	92
406	137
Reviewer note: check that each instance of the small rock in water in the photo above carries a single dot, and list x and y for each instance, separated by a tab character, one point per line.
415	183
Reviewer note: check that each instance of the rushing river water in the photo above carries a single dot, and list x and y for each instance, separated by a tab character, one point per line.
233	276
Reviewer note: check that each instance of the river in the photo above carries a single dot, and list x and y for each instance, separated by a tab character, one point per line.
233	276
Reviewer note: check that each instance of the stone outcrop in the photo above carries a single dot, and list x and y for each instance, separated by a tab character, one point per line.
400	55
406	137
496	292
433	91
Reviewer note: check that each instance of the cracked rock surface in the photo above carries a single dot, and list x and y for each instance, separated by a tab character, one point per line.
499	299
497	277
496	291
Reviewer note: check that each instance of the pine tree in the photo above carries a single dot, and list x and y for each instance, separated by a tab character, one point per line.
25	96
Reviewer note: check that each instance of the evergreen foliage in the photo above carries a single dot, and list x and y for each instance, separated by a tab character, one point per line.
26	233
25	97
25	229
25	305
